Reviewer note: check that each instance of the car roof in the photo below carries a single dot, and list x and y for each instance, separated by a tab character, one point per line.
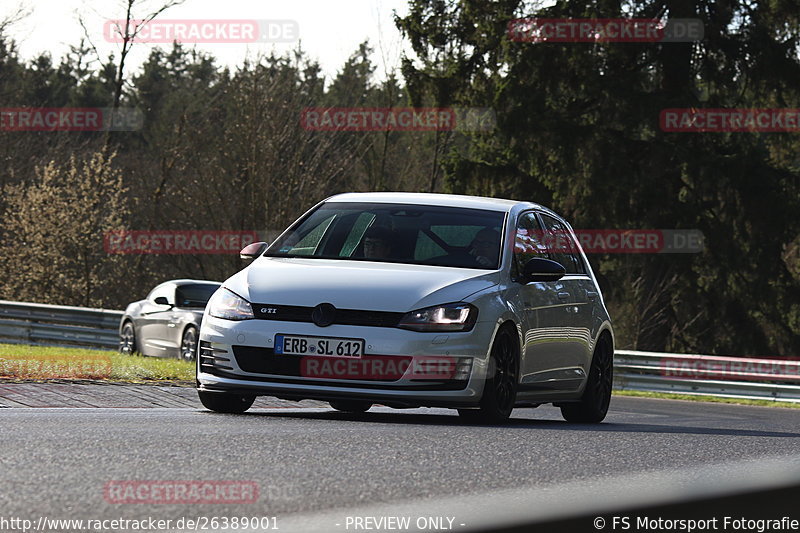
180	282
443	200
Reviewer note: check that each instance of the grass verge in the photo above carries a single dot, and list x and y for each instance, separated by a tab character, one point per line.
701	398
19	362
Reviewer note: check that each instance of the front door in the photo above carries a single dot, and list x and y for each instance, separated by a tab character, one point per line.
547	356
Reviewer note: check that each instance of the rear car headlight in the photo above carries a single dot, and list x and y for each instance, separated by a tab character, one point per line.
447	317
229	305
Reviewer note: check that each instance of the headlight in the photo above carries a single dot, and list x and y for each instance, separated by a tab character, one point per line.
229	305
447	317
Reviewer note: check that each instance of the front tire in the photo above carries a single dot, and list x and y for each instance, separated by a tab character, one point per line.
223	402
350	406
593	406
127	340
500	391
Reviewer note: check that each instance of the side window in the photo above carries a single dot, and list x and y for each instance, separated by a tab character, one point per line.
563	247
527	241
167	291
194	295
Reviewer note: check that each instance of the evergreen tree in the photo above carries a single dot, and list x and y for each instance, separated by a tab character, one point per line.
578	129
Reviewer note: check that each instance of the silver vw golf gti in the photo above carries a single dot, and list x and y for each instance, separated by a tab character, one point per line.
413	300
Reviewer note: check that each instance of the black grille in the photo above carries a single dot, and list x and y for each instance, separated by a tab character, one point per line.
346	317
258	360
264	361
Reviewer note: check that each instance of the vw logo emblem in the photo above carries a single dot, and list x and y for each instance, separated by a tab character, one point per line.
323	315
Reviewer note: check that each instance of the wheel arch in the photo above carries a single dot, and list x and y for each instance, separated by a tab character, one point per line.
510	321
194	327
125	320
604	330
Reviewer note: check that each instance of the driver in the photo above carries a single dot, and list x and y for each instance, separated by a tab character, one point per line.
484	247
379	242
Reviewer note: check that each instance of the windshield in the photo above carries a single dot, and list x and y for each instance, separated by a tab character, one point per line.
396	233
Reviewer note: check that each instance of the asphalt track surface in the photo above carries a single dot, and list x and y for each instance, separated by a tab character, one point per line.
316	462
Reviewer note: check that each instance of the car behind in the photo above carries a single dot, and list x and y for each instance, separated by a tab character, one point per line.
167	321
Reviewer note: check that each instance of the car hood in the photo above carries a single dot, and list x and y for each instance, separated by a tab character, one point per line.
356	284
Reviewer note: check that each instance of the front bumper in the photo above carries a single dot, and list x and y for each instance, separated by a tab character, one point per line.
238	357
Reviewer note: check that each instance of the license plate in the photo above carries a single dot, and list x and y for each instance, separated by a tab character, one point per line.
324	346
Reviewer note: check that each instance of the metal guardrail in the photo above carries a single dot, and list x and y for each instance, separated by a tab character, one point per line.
60	325
730	377
710	375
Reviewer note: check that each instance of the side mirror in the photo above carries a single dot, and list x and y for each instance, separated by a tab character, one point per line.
162	300
253	250
539	269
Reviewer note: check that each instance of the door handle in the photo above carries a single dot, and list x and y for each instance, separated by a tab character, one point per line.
591	295
171	325
563	295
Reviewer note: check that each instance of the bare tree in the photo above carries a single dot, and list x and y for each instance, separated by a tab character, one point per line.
15	15
129	35
129	29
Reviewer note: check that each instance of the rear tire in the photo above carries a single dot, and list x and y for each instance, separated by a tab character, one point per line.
350	406
500	391
596	398
223	402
